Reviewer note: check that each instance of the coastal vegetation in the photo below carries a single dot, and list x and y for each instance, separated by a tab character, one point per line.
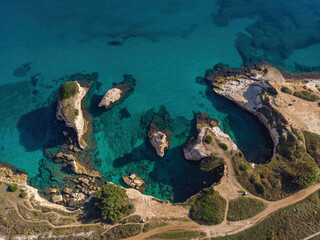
113	203
208	139
210	163
297	221
13	187
178	234
243	208
223	146
154	223
313	145
68	89
208	208
286	90
122	231
306	95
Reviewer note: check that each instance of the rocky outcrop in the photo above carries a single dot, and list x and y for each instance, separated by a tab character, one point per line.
57	198
159	139
134	181
76	164
9	173
69	110
78	168
197	148
76	199
112	96
118	92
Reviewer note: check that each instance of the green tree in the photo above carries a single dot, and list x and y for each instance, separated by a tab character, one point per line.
113	202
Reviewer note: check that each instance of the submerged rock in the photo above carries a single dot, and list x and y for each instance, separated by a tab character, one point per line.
134	181
78	168
22	70
118	92
69	109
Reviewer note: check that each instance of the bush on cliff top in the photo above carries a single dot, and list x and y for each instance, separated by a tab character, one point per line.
306	95
113	203
68	89
13	187
208	139
223	146
286	90
208	208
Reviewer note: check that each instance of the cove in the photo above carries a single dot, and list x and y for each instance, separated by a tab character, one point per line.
163	45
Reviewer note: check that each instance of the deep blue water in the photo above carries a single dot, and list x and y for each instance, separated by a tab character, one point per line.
164	45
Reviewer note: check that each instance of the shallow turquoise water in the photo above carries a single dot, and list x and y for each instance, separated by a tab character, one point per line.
165	45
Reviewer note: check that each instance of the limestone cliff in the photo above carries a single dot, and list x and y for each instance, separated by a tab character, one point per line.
9	175
246	88
69	110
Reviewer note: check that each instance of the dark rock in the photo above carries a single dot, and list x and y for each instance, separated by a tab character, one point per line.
114	43
22	70
124	113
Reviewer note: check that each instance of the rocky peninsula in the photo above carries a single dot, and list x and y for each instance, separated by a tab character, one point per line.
287	105
209	132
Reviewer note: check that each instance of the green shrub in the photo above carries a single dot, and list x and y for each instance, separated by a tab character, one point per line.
123	231
23	194
112	201
208	208
13	187
286	90
208	139
223	146
210	163
68	89
244	208
306	95
243	168
76	112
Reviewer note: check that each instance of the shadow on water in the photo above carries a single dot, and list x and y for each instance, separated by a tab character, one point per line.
171	177
250	135
40	128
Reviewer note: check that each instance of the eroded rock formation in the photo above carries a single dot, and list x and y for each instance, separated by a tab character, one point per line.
199	148
118	92
159	139
70	111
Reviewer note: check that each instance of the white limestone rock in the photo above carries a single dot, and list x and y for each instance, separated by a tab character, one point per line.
112	96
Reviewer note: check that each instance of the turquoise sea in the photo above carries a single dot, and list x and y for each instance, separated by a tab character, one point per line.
165	45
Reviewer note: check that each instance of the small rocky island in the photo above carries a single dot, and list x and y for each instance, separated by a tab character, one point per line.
159	139
118	92
69	109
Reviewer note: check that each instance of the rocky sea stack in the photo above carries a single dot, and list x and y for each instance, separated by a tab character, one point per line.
159	139
69	109
118	92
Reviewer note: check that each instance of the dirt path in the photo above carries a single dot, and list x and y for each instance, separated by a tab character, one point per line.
229	188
